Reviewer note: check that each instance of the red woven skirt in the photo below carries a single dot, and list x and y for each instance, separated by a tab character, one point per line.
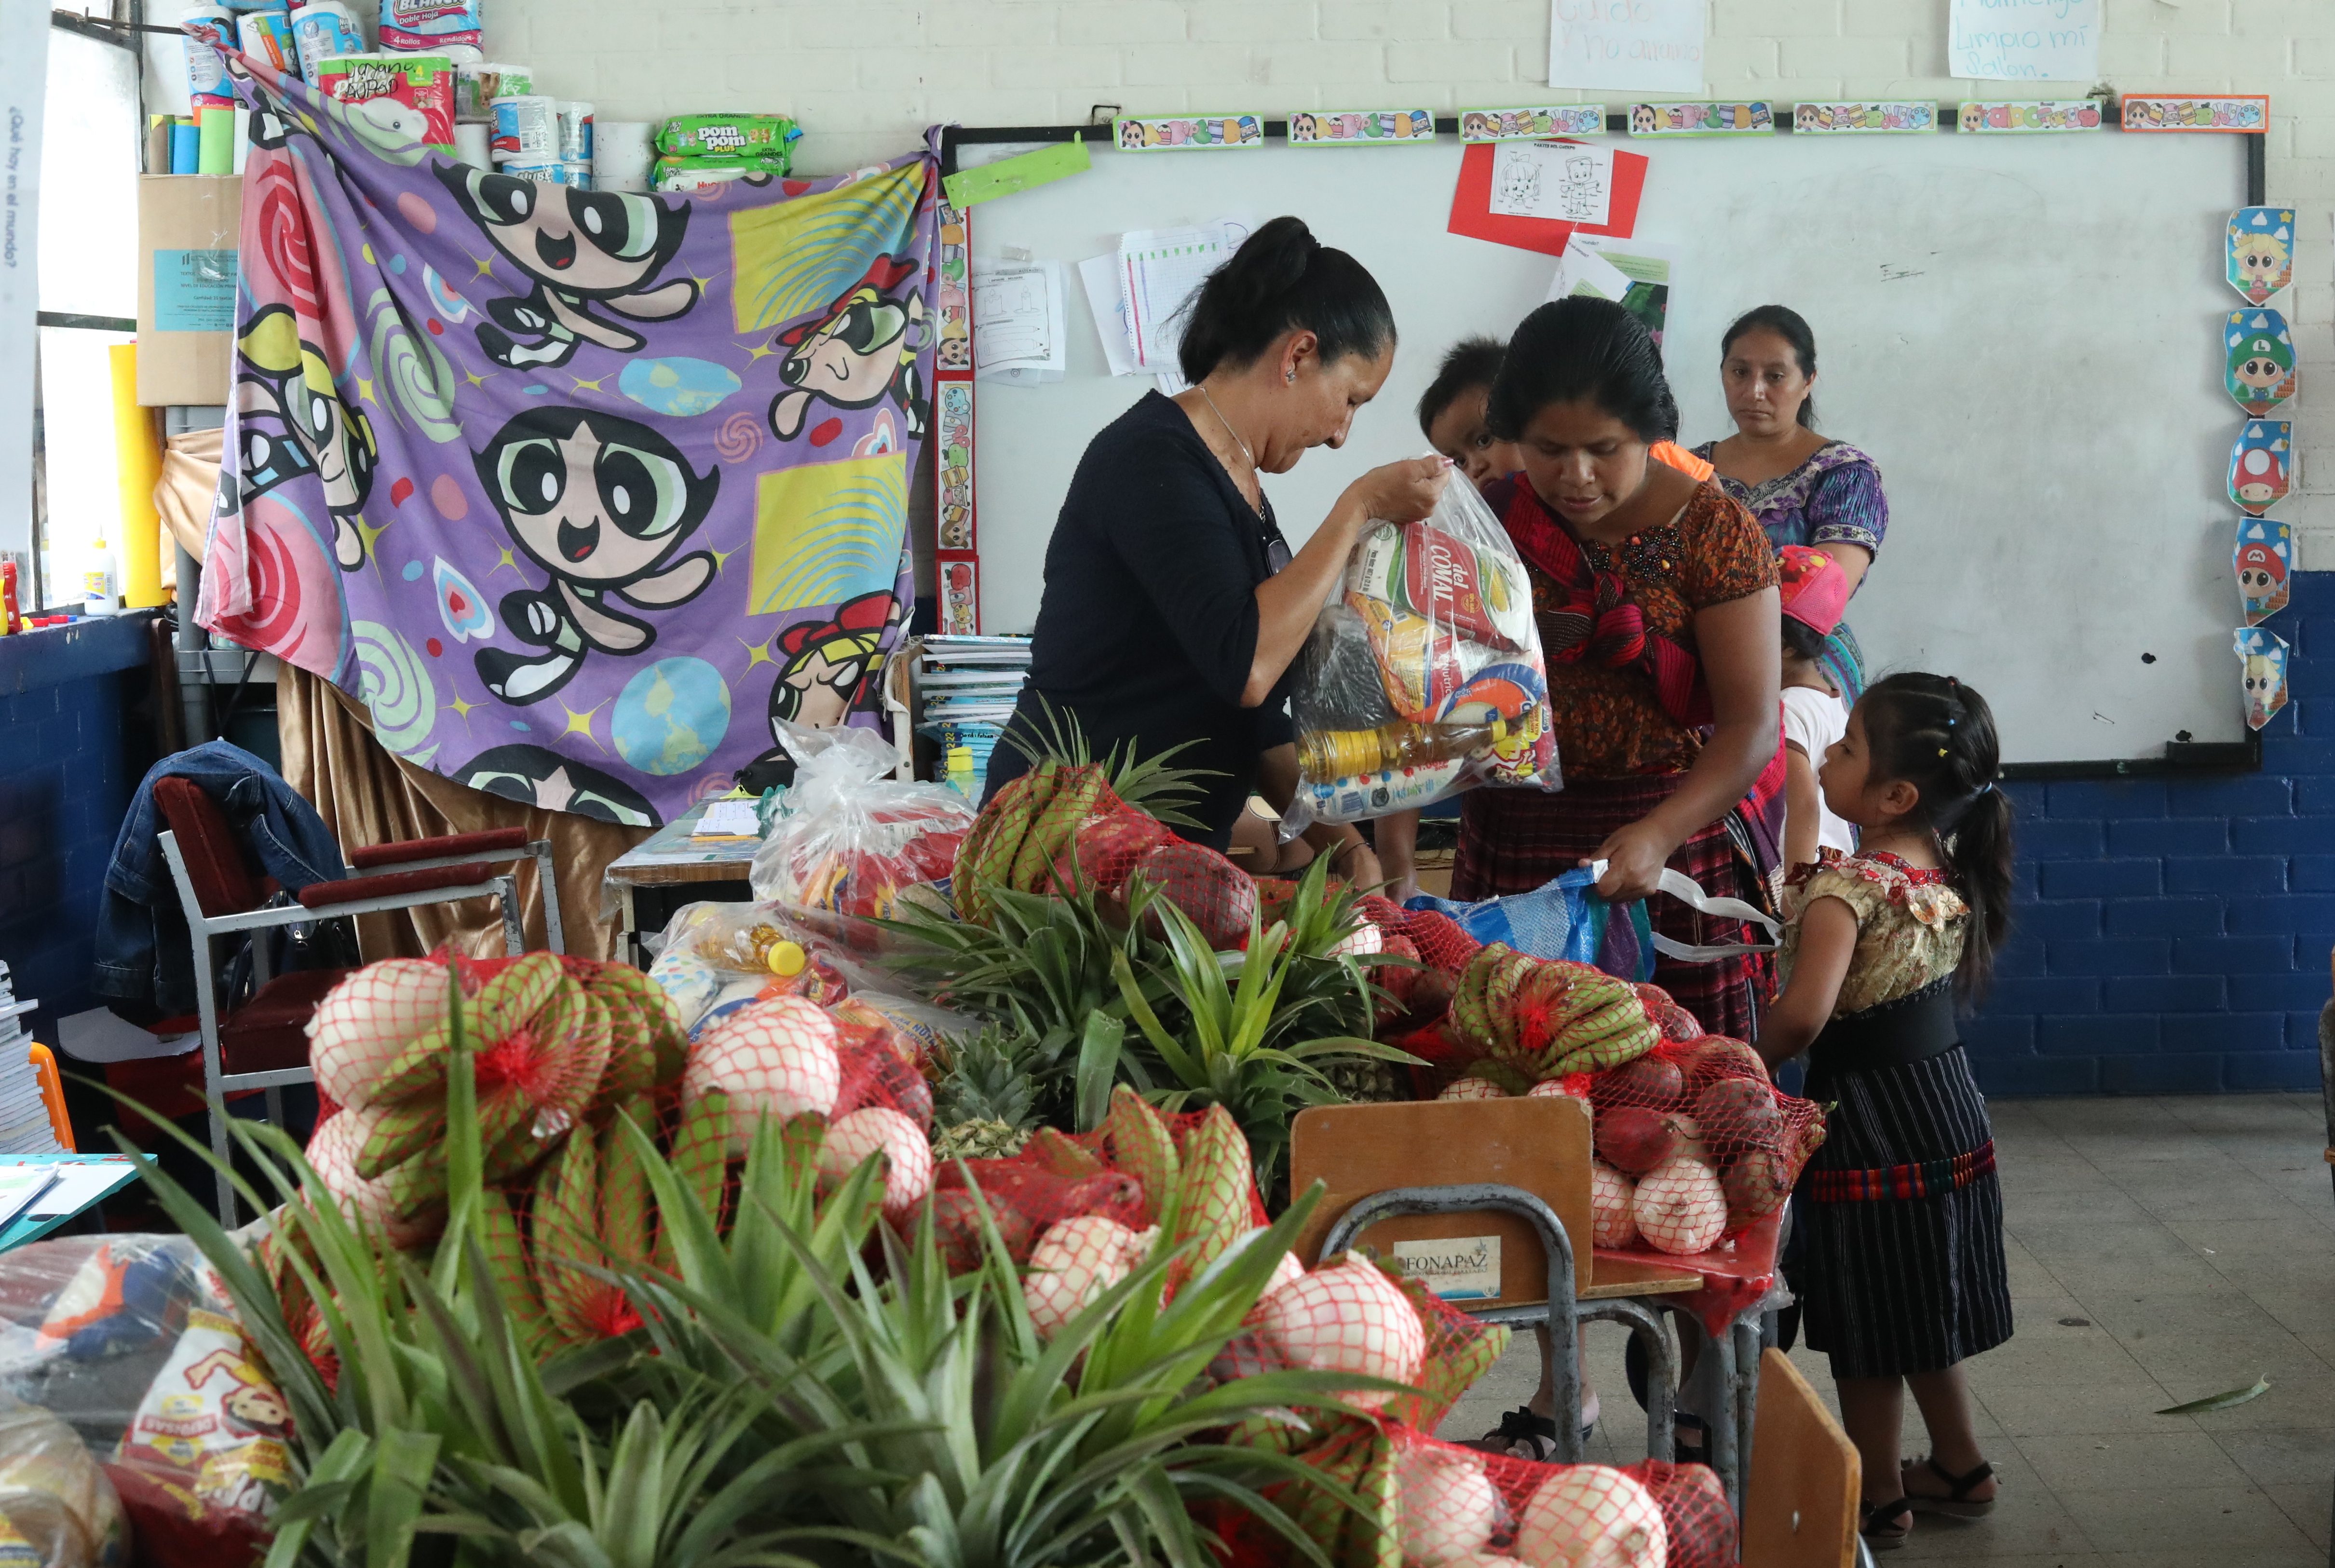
1516	840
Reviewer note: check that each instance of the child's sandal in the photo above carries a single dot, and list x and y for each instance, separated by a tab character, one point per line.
1886	1526
1958	1501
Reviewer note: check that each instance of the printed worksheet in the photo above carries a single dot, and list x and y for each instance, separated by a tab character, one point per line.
1160	270
1569	182
1017	320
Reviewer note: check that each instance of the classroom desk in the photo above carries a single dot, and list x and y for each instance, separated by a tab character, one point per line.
26	1228
666	870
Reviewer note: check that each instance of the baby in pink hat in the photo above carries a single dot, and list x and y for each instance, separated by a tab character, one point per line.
1815	592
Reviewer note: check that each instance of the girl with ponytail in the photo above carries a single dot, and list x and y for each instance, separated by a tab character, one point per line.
1902	1275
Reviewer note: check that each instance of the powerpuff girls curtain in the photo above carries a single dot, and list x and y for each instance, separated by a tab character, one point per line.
578	490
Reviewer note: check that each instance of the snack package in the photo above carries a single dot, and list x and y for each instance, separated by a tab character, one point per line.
1425	676
409	93
57	1509
766	138
851	839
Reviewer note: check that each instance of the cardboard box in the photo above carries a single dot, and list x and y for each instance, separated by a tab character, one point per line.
188	229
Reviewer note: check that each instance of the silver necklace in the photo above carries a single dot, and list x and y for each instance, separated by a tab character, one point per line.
1244	452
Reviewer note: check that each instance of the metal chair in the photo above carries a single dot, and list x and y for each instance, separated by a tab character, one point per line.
489	848
263	1044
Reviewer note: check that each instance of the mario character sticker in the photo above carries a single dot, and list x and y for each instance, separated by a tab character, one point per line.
1529	124
2259	465
1188	133
1755	118
2230	112
1360	127
956	466
2262	251
2262	559
2259	371
961	596
2042	114
2263	657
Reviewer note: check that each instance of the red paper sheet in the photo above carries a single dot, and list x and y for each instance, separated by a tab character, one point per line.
1733	1278
1472	214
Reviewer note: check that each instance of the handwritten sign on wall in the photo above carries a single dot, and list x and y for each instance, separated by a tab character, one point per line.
2024	40
1641	45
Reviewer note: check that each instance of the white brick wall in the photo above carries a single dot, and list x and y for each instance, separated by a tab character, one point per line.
866	79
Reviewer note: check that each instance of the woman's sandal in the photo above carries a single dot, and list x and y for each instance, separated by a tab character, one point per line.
1521	1435
1886	1526
1958	1501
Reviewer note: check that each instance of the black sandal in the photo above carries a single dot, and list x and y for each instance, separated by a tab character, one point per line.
1521	1435
1958	1501
1886	1526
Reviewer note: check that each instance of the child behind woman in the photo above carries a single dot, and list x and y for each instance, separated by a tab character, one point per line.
1816	591
1902	1278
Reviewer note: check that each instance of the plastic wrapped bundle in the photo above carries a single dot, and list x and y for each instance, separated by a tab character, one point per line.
853	840
1425	676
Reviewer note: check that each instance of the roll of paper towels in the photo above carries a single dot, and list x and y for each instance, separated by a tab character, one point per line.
471	145
622	153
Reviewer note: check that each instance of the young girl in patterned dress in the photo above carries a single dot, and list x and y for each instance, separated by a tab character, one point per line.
1902	1277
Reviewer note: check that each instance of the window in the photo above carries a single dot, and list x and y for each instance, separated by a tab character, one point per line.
89	257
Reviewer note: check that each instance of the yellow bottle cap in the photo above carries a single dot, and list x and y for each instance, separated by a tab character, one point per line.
788	959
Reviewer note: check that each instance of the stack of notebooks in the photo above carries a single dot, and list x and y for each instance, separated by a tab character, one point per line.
966	686
24	1115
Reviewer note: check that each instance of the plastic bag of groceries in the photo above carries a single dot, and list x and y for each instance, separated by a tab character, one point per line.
850	838
714	959
132	1343
1423	676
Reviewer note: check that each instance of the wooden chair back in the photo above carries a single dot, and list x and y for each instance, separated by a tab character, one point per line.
1799	1505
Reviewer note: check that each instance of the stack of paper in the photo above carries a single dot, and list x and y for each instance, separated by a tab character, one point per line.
1017	321
1141	294
25	1127
727	819
968	686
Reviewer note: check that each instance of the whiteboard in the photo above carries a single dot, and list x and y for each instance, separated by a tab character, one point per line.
2020	330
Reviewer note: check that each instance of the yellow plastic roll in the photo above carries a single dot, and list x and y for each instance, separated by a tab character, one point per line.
137	465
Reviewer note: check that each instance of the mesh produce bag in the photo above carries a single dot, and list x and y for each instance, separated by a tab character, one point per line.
1424	677
850	839
1695	1144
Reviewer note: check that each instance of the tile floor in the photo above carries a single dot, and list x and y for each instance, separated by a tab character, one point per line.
2160	1251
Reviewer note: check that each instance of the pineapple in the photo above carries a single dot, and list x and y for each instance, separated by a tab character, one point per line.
986	1105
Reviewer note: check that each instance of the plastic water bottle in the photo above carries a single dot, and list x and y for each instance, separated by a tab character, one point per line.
100	581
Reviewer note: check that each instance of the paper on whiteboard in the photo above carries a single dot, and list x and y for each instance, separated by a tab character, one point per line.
1651	268
1569	182
1018	322
2024	40
1107	301
1160	270
1644	45
1581	270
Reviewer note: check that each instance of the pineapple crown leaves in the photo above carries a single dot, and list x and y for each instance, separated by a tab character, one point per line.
1150	783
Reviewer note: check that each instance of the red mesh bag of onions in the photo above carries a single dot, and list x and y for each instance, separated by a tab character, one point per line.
1694	1145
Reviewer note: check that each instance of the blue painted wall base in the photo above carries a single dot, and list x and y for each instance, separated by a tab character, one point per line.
2171	936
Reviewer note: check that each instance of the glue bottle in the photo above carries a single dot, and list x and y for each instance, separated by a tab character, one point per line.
100	583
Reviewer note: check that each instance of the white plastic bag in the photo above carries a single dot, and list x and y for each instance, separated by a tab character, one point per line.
849	838
1424	676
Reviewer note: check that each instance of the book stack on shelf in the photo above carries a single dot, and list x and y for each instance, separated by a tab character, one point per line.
965	689
24	1115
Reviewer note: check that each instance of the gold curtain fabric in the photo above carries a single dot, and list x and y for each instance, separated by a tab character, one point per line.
366	797
189	478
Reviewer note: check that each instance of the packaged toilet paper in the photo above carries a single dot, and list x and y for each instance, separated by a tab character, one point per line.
476	88
429	25
414	92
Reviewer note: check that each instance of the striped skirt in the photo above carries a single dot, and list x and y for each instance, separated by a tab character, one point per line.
1516	840
1899	1214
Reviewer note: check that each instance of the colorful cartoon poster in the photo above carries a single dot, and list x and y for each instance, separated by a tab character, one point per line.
2261	657
1189	132
2258	368
2260	465
960	586
2240	112
1526	124
578	490
953	300
1868	118
2263	558
1360	127
1753	119
2044	114
956	465
2262	251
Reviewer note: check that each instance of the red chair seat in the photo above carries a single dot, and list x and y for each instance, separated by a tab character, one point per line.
492	840
270	1031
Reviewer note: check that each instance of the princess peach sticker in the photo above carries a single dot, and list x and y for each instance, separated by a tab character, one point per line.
2263	656
2262	558
2262	251
2258	464
2259	371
